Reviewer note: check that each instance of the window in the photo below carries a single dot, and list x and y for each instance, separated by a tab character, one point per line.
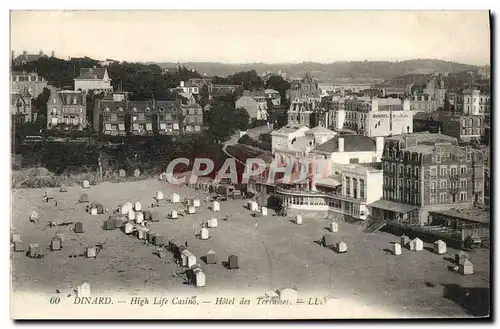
443	171
362	188
355	187
443	198
438	157
347	186
463	170
463	196
453	171
442	184
416	172
463	183
433	172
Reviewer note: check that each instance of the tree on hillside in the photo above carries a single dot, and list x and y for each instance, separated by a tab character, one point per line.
223	120
241	119
204	95
39	104
277	83
249	80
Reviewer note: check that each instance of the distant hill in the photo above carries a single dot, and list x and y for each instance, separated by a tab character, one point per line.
337	71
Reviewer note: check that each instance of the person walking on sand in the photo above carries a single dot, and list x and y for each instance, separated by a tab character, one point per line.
186	243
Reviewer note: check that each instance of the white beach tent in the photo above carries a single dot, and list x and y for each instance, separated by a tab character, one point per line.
173	214
334	227
204	234
466	268
263	210
199	277
298	220
214	223
440	247
216	206
137	206
176	198
396	249
129	228
416	245
159	195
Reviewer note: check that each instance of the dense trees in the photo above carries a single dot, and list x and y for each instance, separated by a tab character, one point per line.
223	121
249	80
277	83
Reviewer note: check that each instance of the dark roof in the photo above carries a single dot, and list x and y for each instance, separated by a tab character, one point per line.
29	58
66	97
398	207
92	73
473	215
112	105
352	143
140	105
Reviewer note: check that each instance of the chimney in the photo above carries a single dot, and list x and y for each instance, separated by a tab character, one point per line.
182	84
341	144
25	55
13	55
379	144
40	53
53	54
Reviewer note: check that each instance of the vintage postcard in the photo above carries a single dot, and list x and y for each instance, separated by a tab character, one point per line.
250	164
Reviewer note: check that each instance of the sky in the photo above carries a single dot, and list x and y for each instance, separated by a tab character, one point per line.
255	36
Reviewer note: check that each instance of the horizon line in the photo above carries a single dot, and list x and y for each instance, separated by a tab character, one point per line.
265	63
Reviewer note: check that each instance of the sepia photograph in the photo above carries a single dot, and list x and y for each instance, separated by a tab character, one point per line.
250	164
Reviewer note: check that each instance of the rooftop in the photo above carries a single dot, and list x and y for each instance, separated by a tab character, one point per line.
431	149
319	130
92	73
473	215
289	129
423	137
352	143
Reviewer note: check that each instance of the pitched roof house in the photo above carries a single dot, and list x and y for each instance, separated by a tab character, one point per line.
96	78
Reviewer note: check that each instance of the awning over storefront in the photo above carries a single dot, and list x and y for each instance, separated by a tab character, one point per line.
397	207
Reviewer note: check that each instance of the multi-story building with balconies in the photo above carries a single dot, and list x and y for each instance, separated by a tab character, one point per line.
30	83
373	117
427	176
463	127
20	107
471	102
169	116
109	115
192	118
67	107
141	117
